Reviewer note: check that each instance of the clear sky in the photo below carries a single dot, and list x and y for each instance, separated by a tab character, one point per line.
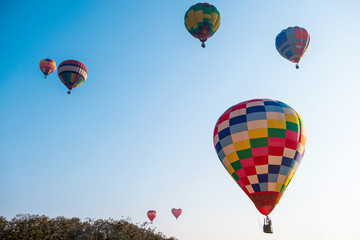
137	135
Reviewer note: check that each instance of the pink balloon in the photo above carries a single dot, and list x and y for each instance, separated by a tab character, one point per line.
151	215
176	212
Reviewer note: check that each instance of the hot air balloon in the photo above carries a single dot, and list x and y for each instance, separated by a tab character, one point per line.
151	215
292	43
176	212
47	66
261	143
202	20
72	73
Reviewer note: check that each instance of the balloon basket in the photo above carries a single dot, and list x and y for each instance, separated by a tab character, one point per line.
297	66
267	228
69	92
203	45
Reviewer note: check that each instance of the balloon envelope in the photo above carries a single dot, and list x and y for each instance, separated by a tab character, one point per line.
47	66
151	214
292	43
261	143
72	73
176	212
202	20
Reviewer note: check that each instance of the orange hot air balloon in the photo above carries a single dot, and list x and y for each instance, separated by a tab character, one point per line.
151	215
47	66
176	212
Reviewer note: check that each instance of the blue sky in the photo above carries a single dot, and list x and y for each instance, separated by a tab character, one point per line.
137	135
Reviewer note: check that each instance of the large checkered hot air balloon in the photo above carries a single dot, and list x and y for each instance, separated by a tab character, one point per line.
202	20
261	143
292	43
72	73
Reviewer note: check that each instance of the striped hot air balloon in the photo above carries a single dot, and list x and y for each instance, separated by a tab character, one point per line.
261	143
292	43
72	73
202	20
47	66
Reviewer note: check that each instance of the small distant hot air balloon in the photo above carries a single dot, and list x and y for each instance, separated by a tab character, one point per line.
261	143
292	43
151	215
72	73
176	212
202	20
47	66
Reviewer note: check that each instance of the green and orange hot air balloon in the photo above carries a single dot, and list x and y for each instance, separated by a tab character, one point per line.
202	20
47	66
72	73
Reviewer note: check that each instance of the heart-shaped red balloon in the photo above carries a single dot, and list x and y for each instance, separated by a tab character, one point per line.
176	212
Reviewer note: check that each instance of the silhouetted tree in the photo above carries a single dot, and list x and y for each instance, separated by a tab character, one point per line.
35	227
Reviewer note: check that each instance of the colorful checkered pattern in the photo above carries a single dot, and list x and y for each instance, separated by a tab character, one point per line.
261	143
292	43
47	66
72	73
202	20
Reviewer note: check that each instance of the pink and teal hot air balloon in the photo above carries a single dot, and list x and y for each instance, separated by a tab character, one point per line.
72	73
47	66
292	43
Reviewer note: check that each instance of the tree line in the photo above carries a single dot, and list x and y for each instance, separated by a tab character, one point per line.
36	227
